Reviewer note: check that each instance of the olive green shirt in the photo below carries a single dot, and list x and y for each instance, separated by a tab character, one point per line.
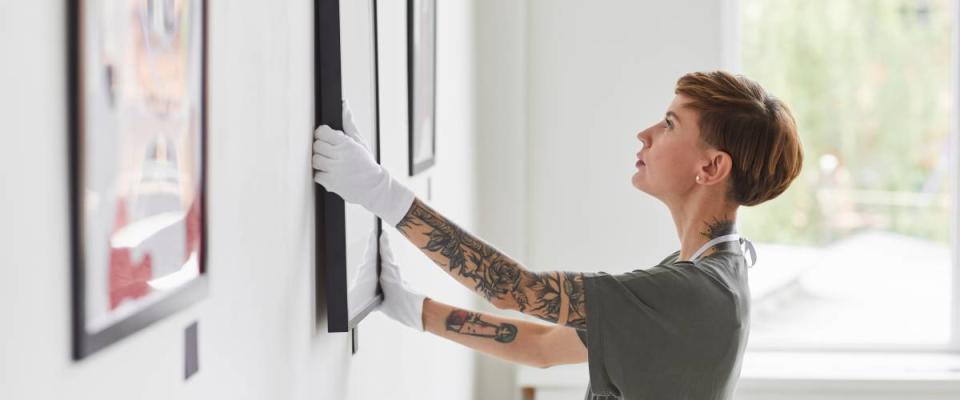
674	331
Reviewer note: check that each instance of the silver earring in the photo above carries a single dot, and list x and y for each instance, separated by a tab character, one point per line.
698	178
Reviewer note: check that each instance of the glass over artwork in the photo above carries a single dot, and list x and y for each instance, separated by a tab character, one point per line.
358	80
422	71
140	154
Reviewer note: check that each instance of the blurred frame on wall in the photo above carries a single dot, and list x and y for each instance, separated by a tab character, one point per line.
347	248
421	75
137	82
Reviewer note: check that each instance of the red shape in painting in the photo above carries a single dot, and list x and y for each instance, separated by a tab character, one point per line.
127	279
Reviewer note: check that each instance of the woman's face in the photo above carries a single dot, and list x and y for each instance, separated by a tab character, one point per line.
671	151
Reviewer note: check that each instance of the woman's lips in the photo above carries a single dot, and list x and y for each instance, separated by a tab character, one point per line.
640	163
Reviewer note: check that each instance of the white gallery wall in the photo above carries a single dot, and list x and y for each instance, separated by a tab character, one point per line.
257	338
598	73
502	154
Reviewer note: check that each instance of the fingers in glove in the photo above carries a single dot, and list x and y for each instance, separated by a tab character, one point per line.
370	253
385	252
324	149
350	126
353	135
327	134
322	163
321	177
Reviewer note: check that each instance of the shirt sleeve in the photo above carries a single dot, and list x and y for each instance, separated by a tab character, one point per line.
626	325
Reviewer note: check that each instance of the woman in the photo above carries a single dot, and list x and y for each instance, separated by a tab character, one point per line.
676	330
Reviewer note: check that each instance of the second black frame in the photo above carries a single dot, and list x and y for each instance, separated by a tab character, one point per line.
421	62
331	225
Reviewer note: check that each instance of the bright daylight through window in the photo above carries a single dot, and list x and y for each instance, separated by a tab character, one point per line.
859	252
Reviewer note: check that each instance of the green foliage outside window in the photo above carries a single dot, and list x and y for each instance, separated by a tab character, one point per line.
871	84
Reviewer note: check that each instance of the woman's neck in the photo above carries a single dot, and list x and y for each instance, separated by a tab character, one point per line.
700	221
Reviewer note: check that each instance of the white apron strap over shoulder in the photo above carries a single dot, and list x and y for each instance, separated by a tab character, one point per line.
745	245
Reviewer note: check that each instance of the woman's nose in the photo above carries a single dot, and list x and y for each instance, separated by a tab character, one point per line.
644	137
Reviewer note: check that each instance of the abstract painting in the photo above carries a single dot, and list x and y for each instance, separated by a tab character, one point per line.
137	164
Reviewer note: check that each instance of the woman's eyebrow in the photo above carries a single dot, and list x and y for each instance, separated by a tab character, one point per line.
674	115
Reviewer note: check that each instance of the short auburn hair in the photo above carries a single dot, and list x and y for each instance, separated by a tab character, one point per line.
757	130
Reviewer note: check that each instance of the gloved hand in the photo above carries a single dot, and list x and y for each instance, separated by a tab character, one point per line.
346	167
399	302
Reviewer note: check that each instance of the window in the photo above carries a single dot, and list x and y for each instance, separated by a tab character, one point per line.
859	252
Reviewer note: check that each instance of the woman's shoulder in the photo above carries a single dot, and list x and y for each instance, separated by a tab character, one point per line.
670	259
732	260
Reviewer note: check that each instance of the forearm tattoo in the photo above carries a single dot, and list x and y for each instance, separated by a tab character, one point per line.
576	307
471	323
546	287
493	275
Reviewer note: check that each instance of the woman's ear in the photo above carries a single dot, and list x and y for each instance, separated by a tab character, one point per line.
716	167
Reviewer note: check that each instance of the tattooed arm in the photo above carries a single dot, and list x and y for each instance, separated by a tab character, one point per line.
551	296
514	340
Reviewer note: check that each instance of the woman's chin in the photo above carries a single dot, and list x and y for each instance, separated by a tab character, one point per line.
640	184
637	181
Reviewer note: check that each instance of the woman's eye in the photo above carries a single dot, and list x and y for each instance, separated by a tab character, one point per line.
667	123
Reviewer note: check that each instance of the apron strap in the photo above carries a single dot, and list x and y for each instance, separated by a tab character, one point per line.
746	246
706	246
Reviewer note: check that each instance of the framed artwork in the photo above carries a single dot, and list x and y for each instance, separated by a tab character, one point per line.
137	81
346	234
421	77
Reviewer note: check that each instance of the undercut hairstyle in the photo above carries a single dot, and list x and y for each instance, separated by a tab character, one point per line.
757	130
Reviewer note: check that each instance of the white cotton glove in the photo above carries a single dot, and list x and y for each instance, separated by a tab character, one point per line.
399	302
346	167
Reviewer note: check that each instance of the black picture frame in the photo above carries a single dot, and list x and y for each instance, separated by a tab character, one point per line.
331	217
422	83
143	309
